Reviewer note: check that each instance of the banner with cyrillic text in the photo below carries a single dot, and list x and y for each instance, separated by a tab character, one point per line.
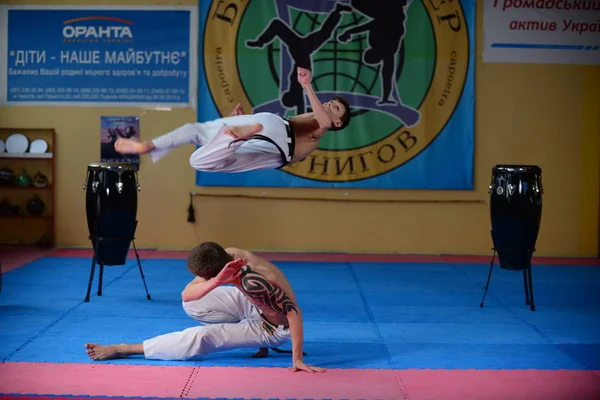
119	56
405	67
542	31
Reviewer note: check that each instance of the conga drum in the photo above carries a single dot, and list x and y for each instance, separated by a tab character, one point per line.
111	208
516	212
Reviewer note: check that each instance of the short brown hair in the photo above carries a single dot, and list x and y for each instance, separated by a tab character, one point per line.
345	117
207	259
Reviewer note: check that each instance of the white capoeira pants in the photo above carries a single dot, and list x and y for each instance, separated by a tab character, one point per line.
231	321
219	152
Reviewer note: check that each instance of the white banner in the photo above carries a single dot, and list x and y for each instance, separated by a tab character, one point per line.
542	31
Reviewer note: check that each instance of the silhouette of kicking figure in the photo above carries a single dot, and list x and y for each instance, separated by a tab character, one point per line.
386	31
301	49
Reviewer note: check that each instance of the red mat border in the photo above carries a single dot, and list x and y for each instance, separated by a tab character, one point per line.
414	384
65	397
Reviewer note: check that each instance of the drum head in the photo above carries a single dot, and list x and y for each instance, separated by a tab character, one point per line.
112	166
518	168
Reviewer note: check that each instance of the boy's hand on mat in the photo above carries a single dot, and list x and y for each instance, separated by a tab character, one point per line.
230	272
301	366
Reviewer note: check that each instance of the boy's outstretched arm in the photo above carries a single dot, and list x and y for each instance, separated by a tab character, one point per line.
304	77
258	287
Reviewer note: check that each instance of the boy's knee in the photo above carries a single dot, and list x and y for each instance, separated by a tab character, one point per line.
197	310
205	313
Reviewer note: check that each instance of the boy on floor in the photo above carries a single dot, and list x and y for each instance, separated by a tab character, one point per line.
258	310
259	141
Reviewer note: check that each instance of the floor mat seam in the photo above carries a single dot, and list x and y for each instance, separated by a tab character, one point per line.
57	320
187	387
397	378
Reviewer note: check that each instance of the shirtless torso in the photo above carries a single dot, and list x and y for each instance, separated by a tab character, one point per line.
308	134
265	286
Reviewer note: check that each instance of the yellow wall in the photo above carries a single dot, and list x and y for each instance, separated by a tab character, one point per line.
514	124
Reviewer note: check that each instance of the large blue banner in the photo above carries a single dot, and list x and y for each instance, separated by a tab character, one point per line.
406	68
115	56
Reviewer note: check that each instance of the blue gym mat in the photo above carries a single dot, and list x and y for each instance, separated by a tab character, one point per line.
356	315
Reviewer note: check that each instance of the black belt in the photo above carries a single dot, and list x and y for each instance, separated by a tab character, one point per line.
291	140
263	316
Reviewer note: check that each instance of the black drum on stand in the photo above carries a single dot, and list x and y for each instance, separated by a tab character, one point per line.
516	213
111	210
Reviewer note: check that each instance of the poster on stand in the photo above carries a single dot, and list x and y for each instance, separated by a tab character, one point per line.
113	128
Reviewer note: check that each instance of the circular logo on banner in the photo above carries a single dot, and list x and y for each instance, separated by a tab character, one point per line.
401	65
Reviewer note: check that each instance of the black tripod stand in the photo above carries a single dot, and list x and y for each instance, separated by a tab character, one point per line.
95	259
527	282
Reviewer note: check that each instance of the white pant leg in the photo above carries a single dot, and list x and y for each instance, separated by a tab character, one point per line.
220	305
185	134
222	154
201	340
198	133
219	156
217	152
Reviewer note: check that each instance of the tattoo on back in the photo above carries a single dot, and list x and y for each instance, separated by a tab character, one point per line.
256	286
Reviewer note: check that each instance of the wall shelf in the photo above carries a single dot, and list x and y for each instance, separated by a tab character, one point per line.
18	227
27	156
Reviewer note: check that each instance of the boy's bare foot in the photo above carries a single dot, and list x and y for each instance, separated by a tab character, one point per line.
243	132
130	146
98	352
